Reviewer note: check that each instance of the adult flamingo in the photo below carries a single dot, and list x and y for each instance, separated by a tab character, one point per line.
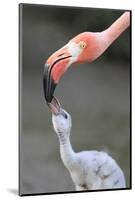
85	47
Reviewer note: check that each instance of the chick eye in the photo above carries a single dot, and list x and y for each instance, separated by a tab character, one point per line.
65	115
82	45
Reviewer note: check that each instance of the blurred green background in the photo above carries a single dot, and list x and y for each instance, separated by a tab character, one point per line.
97	95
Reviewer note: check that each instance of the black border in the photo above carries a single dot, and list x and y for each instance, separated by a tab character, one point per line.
72	192
19	92
19	98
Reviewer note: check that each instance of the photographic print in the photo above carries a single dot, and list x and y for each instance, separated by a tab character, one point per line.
75	99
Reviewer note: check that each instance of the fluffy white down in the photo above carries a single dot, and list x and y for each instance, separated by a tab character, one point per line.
90	170
96	170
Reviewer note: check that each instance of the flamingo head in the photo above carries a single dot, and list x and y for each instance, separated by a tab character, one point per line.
61	119
81	48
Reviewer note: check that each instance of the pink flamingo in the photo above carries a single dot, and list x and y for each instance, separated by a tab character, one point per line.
85	47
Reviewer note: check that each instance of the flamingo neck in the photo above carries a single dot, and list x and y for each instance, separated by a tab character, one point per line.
66	151
114	31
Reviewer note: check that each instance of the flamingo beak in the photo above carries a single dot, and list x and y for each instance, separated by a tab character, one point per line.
55	106
48	83
54	68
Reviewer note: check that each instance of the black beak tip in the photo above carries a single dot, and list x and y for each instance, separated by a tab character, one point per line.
50	93
48	84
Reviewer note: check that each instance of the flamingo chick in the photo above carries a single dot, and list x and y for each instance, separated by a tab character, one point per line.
89	170
85	47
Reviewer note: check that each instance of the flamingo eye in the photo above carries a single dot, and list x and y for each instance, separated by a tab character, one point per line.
65	115
83	45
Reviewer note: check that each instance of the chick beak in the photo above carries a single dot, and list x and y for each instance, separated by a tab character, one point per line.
55	106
